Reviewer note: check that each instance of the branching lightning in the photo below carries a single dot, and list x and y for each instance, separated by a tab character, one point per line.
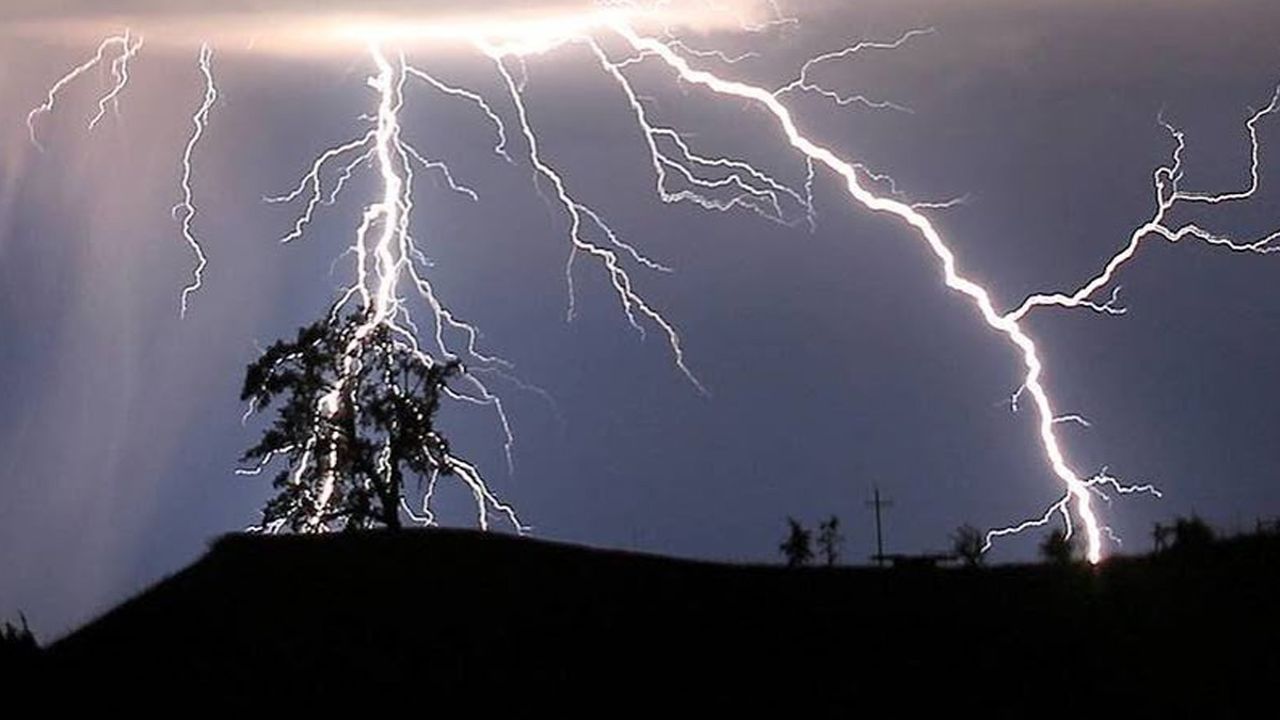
1078	488
120	71
386	254
632	304
1168	195
804	83
475	98
125	48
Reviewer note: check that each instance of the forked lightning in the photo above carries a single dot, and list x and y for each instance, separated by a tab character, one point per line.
388	258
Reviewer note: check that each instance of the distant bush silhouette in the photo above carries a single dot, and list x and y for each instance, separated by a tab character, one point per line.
1057	548
357	409
797	548
830	540
966	543
1191	534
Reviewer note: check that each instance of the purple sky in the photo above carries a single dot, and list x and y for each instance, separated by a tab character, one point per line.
835	360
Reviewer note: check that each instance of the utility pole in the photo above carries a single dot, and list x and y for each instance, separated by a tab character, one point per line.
877	503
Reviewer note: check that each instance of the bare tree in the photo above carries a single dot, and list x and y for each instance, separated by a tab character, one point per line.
967	542
830	540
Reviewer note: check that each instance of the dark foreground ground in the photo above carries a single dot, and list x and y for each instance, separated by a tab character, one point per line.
446	618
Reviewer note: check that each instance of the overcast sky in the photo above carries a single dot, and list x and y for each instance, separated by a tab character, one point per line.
835	360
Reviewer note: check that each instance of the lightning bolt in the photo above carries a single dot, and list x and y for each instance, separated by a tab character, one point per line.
127	48
1078	489
476	99
750	187
386	255
633	305
186	210
120	70
803	83
385	252
1168	195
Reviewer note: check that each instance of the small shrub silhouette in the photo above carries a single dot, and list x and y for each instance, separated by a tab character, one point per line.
19	650
966	543
1057	548
797	548
830	540
1191	534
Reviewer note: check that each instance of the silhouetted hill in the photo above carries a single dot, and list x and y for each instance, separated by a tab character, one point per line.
494	621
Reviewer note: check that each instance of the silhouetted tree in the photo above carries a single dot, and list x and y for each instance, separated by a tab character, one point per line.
18	648
356	411
1057	548
966	543
1160	537
830	540
1191	533
797	548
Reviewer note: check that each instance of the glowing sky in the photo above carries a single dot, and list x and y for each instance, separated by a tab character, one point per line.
339	26
834	359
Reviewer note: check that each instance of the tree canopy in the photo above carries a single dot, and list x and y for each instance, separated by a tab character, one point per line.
355	415
798	547
967	543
